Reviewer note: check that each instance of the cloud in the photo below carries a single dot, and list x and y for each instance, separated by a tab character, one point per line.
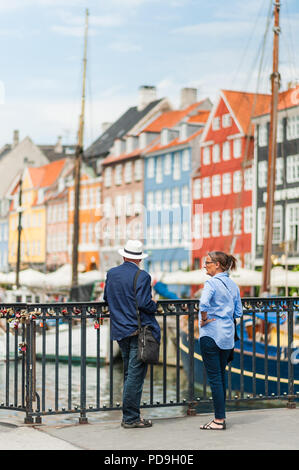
125	47
213	28
74	25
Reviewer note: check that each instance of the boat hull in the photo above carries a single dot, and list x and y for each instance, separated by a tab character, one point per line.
259	386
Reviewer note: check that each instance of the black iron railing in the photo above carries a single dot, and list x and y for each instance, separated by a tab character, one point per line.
59	359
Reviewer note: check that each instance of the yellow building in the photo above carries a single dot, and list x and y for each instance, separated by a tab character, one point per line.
35	182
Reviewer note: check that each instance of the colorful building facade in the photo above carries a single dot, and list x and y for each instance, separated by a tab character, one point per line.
222	184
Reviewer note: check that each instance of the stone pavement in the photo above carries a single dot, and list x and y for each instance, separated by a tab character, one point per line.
270	429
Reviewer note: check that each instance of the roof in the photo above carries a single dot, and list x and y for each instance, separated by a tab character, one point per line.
171	118
286	99
52	154
118	129
45	176
167	119
246	105
174	143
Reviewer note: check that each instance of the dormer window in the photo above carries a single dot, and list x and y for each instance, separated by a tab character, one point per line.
226	120
165	136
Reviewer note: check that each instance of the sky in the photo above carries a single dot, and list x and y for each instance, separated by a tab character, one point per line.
170	44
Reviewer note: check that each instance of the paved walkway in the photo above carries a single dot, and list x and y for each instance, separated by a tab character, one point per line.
247	430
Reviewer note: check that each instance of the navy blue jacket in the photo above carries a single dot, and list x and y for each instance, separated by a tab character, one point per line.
119	294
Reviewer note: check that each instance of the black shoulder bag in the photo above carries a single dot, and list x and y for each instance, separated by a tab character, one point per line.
148	347
236	337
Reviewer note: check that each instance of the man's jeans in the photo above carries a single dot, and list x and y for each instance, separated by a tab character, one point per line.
134	375
215	361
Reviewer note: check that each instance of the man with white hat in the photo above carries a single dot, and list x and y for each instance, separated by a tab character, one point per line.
120	295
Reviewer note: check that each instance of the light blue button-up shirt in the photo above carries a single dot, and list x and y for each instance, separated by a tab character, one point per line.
223	303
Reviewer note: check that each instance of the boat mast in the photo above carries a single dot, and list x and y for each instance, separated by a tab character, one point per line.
77	168
275	82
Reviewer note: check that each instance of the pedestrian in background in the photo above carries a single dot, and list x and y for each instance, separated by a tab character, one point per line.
119	293
220	304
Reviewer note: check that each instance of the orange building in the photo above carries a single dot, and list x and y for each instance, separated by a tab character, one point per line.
89	216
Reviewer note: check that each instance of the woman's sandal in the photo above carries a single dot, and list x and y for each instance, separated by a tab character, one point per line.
221	426
143	423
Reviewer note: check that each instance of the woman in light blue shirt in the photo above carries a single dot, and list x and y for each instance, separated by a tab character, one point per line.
220	304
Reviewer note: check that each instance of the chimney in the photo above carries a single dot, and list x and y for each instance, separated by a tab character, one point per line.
188	97
147	94
58	147
105	126
15	138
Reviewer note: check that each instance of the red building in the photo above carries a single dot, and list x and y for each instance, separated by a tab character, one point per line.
222	184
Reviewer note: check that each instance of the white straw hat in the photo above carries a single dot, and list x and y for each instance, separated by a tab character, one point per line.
132	250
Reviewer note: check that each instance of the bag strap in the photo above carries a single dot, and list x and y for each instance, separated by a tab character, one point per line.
225	287
137	309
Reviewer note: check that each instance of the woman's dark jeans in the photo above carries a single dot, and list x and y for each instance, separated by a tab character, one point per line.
134	375
215	361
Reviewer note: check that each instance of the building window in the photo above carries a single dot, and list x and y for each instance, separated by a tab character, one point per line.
128	172
176	167
237	181
226	183
118	174
216	123
186	160
237	148
248	179
166	198
206	156
185	195
293	169
262	174
108	177
138	170
151	168
166	234
293	127
206	225
216	224
277	225
279	171
150	200
167	164
216	153
198	226
248	219
158	199
263	135
206	187
197	189
292	223
176	196
261	217
226	120
159	172
226	151
237	221
226	222
280	131
216	185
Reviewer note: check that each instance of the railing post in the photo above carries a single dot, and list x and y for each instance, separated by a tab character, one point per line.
191	400
29	373
291	404
83	418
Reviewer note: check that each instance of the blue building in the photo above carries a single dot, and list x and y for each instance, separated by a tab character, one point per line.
167	197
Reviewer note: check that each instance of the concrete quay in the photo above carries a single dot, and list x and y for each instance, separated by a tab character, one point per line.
270	429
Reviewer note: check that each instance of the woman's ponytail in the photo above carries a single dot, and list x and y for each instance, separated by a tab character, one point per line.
227	262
